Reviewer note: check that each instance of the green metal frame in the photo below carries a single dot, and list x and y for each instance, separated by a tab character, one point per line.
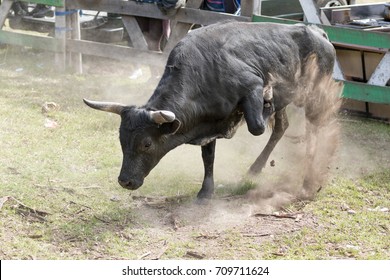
352	90
366	93
57	3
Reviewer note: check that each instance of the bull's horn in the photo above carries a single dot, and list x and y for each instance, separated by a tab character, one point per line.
105	106
162	116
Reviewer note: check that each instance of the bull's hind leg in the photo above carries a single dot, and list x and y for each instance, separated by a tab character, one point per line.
281	124
208	155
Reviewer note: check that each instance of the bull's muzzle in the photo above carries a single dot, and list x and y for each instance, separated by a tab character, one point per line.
130	184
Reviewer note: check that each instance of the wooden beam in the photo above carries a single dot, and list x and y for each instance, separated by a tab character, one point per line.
343	35
247	8
381	74
116	52
135	33
33	41
310	11
4	10
133	8
76	58
179	30
61	32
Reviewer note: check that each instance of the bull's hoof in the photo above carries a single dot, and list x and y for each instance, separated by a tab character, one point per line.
254	170
202	201
204	196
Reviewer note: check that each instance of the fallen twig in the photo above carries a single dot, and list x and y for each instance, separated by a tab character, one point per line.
158	201
76	203
101	219
269	233
144	255
280	215
207	236
23	206
257	234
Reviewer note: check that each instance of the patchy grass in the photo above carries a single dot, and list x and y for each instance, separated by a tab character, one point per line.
350	222
69	174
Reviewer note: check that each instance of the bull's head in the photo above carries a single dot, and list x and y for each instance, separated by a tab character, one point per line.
144	139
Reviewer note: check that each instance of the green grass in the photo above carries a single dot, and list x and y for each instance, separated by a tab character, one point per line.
71	171
340	234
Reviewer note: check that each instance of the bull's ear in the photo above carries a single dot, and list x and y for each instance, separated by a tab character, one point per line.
171	127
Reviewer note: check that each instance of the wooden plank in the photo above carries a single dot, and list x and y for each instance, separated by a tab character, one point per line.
366	93
133	8
61	30
204	17
341	34
381	74
135	33
179	30
194	4
56	3
276	7
4	10
116	52
76	58
247	7
33	41
310	11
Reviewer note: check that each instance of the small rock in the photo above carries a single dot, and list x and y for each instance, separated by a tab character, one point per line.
50	123
351	212
115	198
272	163
345	207
49	107
352	247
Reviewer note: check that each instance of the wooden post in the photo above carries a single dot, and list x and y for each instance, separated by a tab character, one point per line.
60	34
136	37
76	58
4	10
180	29
247	7
257	7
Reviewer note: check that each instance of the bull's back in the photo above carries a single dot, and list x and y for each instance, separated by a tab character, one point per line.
260	47
216	66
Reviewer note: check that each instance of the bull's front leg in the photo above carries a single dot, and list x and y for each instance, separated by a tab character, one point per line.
258	106
208	155
252	107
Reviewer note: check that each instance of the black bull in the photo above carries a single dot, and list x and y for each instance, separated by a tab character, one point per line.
216	77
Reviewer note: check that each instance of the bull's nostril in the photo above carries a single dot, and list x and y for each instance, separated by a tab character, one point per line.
124	184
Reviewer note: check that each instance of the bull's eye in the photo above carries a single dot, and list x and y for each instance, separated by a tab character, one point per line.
146	144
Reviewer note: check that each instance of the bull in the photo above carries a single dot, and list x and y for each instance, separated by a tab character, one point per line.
218	77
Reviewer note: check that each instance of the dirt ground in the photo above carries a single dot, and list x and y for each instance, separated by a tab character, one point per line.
249	218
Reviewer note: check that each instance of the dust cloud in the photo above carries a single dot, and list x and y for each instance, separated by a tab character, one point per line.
319	98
